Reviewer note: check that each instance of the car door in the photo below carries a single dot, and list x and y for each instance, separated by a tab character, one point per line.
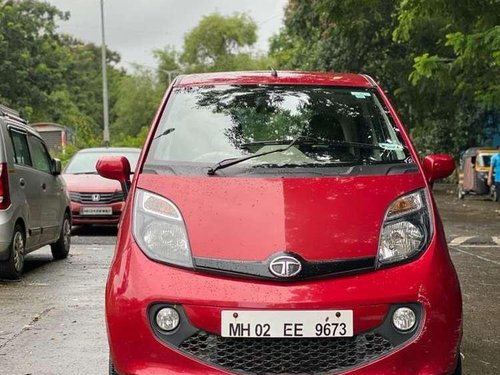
51	215
25	185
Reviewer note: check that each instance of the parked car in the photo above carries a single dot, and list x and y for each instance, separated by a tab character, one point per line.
473	172
281	223
94	199
34	206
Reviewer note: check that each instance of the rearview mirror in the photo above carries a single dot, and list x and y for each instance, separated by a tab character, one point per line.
115	168
438	166
56	167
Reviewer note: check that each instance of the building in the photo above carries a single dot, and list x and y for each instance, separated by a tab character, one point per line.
56	136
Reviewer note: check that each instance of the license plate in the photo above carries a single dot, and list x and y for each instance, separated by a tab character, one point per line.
96	211
316	323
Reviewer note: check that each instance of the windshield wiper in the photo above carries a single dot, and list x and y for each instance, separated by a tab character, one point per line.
314	141
166	132
93	172
232	161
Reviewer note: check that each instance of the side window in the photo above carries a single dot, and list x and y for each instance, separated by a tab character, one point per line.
40	156
21	150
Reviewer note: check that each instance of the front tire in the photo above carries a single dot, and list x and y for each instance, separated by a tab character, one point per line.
112	370
12	268
60	248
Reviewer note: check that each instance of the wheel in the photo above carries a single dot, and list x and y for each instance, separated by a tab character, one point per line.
60	248
12	268
458	370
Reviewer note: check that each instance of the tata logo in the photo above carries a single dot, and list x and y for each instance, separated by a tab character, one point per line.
96	197
285	266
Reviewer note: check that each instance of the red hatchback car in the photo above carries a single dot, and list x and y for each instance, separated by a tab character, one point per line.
95	200
281	223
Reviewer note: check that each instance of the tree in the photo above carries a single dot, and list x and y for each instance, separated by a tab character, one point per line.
138	97
30	54
344	36
468	56
168	64
220	43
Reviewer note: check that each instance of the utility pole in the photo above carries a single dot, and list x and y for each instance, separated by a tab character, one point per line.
105	135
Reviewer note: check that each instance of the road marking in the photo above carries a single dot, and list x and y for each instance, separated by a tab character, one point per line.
481	246
460	240
477	256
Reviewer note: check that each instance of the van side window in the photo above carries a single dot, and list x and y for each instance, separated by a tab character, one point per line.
41	158
21	150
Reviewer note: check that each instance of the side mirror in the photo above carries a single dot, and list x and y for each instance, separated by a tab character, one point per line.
56	167
438	166
115	168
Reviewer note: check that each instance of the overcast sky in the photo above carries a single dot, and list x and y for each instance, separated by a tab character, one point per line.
134	28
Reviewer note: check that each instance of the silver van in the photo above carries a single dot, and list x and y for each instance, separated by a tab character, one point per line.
34	204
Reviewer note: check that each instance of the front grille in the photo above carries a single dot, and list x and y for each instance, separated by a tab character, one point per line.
90	198
286	356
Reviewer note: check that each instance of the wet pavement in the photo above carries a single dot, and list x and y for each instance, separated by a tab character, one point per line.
52	321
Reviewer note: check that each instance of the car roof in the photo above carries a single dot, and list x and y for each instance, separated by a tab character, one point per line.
477	150
109	150
276	78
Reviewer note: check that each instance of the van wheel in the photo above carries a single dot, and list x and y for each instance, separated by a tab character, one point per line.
60	248
12	268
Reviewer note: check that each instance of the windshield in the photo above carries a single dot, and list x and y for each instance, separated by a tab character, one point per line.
332	127
484	160
85	162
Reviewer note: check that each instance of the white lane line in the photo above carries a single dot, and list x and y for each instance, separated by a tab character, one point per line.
477	256
496	240
481	246
459	240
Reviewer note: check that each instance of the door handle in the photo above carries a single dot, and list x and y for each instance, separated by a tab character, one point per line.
22	183
44	186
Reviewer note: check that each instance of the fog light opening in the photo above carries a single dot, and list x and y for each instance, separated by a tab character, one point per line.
167	319
404	319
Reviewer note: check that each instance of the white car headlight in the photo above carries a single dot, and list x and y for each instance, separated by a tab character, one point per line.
159	229
407	228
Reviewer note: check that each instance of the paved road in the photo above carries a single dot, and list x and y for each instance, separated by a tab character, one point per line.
52	321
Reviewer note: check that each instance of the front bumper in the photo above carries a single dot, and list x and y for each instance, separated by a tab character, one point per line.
429	282
78	219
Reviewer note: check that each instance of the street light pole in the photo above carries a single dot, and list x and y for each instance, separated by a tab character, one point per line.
105	135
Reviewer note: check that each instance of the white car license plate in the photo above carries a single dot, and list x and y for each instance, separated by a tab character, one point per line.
96	211
289	323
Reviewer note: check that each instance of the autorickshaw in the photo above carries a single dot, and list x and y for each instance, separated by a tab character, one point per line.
473	171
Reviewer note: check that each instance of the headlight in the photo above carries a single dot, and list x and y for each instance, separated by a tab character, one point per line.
407	228
159	229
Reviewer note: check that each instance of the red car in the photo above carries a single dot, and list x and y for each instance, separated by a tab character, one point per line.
281	223
94	199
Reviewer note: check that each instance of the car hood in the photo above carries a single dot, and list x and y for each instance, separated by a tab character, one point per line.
90	183
250	219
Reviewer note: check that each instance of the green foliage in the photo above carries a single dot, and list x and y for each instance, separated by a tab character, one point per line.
466	57
30	54
134	141
168	64
220	43
51	77
136	104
